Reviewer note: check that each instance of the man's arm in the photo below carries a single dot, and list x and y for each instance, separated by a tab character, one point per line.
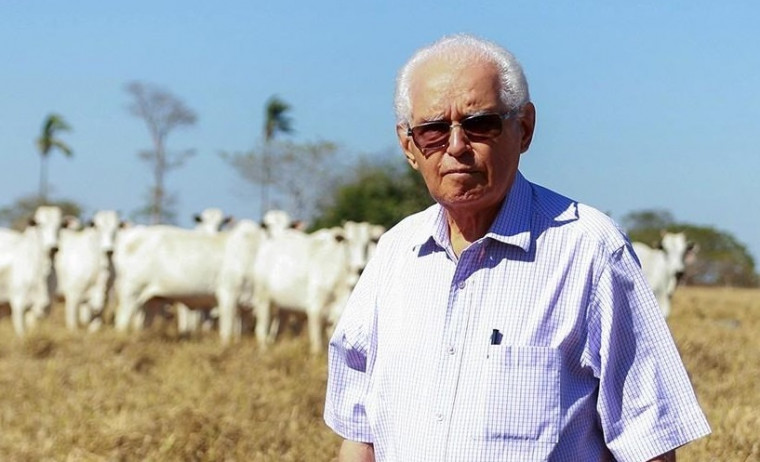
355	451
669	456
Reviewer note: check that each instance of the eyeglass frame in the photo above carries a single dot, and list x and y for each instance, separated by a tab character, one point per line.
431	149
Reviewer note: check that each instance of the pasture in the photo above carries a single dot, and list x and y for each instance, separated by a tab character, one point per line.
154	396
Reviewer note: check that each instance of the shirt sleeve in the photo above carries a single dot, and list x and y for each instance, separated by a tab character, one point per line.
348	370
646	403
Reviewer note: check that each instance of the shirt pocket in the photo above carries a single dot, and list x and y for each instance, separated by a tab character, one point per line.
522	394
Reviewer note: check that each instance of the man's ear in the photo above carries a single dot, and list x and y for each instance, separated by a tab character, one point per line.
407	145
528	124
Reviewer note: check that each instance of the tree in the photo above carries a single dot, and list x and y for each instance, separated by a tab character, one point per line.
162	112
720	260
382	191
275	121
300	176
46	143
646	225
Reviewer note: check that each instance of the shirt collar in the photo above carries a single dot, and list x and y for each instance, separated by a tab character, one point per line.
511	226
513	223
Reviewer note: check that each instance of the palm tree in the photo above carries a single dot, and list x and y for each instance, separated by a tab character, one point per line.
48	141
275	122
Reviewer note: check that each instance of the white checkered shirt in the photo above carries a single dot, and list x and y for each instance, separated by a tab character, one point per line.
542	341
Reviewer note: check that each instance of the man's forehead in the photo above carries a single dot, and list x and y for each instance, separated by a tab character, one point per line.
439	84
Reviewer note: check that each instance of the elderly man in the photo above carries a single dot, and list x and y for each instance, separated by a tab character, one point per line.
505	322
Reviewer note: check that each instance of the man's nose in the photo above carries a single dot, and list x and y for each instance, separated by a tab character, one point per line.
458	142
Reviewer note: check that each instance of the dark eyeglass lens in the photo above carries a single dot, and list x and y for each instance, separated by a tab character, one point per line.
483	126
431	134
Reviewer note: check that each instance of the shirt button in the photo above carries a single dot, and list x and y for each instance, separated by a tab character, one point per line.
439	417
451	349
461	284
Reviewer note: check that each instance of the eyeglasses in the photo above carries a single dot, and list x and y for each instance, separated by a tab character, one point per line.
432	136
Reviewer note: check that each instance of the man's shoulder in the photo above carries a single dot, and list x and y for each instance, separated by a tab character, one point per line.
582	220
416	226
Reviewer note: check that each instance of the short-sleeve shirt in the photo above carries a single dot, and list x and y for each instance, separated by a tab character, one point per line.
540	341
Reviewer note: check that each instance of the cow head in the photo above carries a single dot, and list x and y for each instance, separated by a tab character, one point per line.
362	239
276	221
107	223
211	220
678	252
47	222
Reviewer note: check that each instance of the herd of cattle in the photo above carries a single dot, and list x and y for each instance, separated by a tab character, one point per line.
207	274
214	274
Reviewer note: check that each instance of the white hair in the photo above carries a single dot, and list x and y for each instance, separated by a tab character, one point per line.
463	49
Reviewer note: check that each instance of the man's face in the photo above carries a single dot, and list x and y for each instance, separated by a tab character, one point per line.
467	175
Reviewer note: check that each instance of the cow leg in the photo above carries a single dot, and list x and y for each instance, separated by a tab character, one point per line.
263	321
17	316
665	305
229	318
71	310
276	321
226	325
187	319
85	314
125	312
139	319
314	320
208	319
30	319
92	311
95	321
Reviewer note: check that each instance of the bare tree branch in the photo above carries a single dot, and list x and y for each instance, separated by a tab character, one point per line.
162	112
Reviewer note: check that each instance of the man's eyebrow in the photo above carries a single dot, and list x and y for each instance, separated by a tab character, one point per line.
481	112
433	118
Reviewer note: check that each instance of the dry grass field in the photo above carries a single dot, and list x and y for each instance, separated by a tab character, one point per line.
156	397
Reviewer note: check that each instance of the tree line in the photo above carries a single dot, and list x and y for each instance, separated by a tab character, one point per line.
314	182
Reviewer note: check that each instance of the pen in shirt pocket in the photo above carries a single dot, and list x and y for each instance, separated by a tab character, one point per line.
495	339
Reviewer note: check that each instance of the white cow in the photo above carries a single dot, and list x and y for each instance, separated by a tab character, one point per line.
164	264
361	239
211	220
85	269
302	273
277	221
663	266
27	273
235	289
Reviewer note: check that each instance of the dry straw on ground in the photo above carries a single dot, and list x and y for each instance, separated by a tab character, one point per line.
156	397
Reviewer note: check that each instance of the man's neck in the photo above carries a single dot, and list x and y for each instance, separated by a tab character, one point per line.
466	227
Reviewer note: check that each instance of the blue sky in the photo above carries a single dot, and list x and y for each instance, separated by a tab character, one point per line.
641	105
